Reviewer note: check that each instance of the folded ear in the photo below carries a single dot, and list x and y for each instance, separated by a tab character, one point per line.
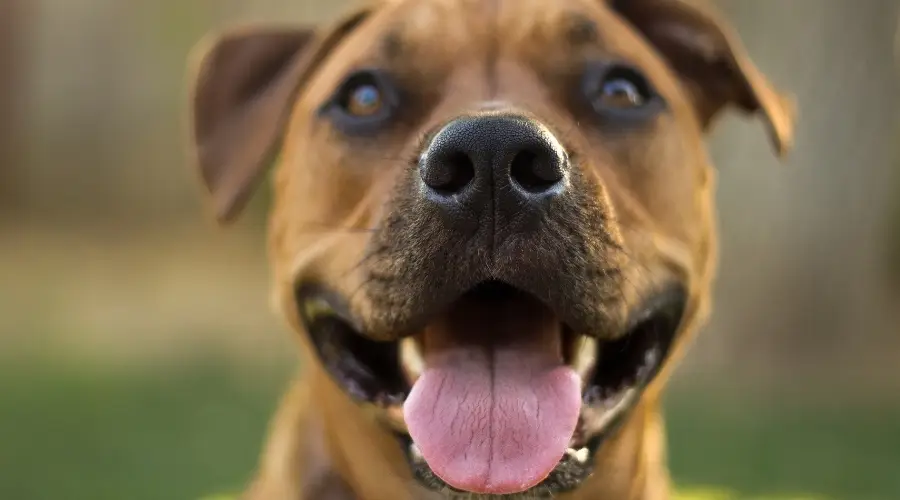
243	84
710	59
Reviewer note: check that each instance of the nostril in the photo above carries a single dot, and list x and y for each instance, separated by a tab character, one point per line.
450	174
462	171
535	172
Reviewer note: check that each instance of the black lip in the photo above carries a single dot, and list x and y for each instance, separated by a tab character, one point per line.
335	301
368	370
668	305
652	327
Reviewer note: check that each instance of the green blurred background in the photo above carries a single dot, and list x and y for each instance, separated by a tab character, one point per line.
139	358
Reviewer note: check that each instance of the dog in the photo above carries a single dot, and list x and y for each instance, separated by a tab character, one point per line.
492	231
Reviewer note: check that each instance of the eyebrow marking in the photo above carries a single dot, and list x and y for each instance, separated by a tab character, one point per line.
392	45
581	30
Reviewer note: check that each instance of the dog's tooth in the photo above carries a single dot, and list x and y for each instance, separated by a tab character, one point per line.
580	455
415	453
585	356
411	359
651	358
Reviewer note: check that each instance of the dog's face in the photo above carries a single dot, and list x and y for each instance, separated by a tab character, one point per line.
492	220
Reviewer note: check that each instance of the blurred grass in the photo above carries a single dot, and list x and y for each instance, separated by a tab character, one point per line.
840	451
70	433
73	433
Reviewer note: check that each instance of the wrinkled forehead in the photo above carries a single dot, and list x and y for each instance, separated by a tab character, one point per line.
496	28
434	38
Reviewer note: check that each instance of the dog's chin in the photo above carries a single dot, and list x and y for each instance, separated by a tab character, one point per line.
386	376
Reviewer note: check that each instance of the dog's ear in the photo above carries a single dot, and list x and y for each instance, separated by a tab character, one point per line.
711	60
242	87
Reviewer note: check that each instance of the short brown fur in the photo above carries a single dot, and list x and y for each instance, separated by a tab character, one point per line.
645	209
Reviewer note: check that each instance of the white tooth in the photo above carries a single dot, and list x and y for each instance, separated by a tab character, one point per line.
580	455
415	452
584	356
411	359
651	357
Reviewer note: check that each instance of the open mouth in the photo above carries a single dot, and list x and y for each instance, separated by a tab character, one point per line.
497	395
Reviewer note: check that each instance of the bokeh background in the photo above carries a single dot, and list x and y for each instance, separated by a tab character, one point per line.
139	357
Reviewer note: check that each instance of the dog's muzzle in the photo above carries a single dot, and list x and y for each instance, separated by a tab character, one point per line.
500	369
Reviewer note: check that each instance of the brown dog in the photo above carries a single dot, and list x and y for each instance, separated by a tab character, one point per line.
492	231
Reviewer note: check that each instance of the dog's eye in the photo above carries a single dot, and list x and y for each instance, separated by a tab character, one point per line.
365	100
620	91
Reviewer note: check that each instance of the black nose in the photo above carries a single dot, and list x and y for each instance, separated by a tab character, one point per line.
508	159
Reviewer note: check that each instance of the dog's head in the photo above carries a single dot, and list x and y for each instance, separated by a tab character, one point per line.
492	220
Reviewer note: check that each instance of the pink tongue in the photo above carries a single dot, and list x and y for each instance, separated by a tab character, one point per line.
495	418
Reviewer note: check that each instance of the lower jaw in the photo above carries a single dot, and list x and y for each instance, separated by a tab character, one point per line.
599	428
573	470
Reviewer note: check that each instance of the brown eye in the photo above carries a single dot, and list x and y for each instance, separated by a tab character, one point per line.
620	93
364	100
363	103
